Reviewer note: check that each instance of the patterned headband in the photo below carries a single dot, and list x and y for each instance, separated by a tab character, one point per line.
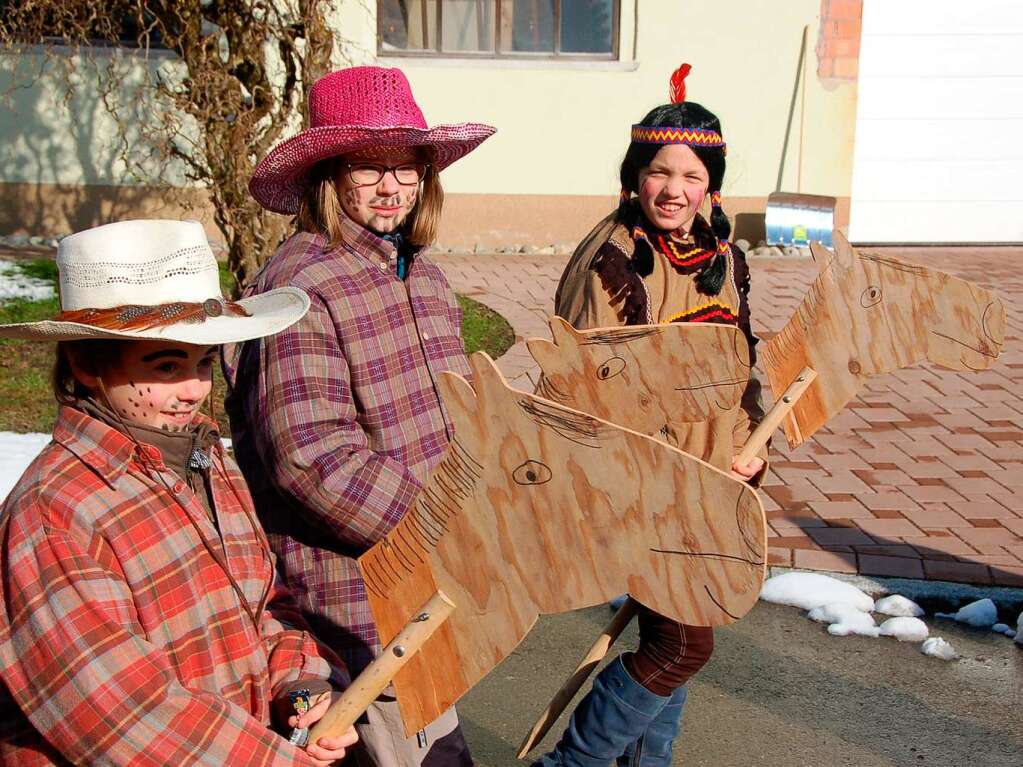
646	134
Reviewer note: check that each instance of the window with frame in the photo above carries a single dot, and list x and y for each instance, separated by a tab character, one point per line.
563	29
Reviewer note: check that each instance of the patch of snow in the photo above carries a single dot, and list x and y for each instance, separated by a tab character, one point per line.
936	647
1004	628
980	614
16	284
1019	630
905	628
16	453
810	590
844	619
863	626
898	606
837	612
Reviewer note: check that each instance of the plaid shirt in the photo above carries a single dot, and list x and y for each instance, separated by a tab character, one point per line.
337	420
122	639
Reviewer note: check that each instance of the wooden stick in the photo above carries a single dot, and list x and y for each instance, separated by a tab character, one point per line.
776	415
590	661
625	613
368	685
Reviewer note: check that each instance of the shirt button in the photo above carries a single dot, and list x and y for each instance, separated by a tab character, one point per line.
179	487
383	266
426	336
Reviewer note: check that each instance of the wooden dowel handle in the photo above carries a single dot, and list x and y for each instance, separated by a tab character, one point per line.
776	415
368	685
590	661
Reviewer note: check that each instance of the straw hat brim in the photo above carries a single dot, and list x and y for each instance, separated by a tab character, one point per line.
277	183
270	313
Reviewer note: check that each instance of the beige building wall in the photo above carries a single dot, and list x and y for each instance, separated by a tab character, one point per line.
551	170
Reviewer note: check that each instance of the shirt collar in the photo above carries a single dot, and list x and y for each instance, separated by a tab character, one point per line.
360	241
106	450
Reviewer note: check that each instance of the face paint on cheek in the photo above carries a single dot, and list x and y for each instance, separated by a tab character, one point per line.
352	199
411	197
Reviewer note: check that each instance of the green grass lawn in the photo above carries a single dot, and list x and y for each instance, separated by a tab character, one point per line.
25	365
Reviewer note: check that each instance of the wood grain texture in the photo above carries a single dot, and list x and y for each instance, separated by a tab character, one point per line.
867	314
537	509
645	376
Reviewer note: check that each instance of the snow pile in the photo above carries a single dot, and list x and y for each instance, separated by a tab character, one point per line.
905	628
16	284
1019	630
898	606
936	647
979	614
810	590
1004	628
844	620
16	453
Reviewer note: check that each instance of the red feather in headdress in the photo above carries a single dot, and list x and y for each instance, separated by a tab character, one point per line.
677	91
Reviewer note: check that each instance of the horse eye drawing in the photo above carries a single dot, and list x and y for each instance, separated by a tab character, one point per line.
532	473
870	297
611	368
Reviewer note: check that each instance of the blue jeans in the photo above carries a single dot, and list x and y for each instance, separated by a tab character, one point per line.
619	720
653	747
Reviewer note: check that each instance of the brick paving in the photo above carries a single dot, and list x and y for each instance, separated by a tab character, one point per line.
919	477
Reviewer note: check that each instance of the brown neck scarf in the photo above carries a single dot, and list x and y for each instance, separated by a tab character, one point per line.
187	453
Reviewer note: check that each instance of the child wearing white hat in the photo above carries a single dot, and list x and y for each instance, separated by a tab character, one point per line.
140	617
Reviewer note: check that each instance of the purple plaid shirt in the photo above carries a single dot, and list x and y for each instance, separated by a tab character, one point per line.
337	421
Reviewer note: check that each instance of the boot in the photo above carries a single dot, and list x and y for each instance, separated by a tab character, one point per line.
615	713
653	747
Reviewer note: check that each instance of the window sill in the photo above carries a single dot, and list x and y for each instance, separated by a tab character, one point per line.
480	62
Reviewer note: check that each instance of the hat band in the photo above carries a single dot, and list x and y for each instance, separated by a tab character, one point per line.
646	134
139	317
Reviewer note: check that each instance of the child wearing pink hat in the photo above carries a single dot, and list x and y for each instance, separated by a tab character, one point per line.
337	421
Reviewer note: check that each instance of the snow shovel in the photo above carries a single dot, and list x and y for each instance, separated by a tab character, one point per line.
794	218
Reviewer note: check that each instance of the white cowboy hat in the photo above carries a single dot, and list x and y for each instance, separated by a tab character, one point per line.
153	279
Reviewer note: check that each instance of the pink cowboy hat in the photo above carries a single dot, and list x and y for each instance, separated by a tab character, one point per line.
353	109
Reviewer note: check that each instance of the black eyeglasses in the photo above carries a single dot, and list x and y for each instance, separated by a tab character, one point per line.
368	174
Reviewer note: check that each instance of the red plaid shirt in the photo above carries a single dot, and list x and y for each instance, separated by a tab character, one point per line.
337	420
122	640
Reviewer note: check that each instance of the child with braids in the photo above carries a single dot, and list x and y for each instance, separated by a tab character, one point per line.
656	260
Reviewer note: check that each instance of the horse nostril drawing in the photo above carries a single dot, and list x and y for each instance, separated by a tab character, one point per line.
855	368
870	297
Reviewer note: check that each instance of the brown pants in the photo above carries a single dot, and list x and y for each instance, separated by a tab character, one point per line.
669	653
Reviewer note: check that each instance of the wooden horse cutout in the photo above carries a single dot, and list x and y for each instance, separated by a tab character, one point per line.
867	314
537	508
649	375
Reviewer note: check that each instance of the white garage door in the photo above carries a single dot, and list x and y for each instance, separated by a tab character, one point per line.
939	123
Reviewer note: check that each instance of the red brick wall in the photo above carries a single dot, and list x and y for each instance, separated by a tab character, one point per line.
838	46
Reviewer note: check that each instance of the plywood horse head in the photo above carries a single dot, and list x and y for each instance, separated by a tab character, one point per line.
652	375
537	508
866	314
